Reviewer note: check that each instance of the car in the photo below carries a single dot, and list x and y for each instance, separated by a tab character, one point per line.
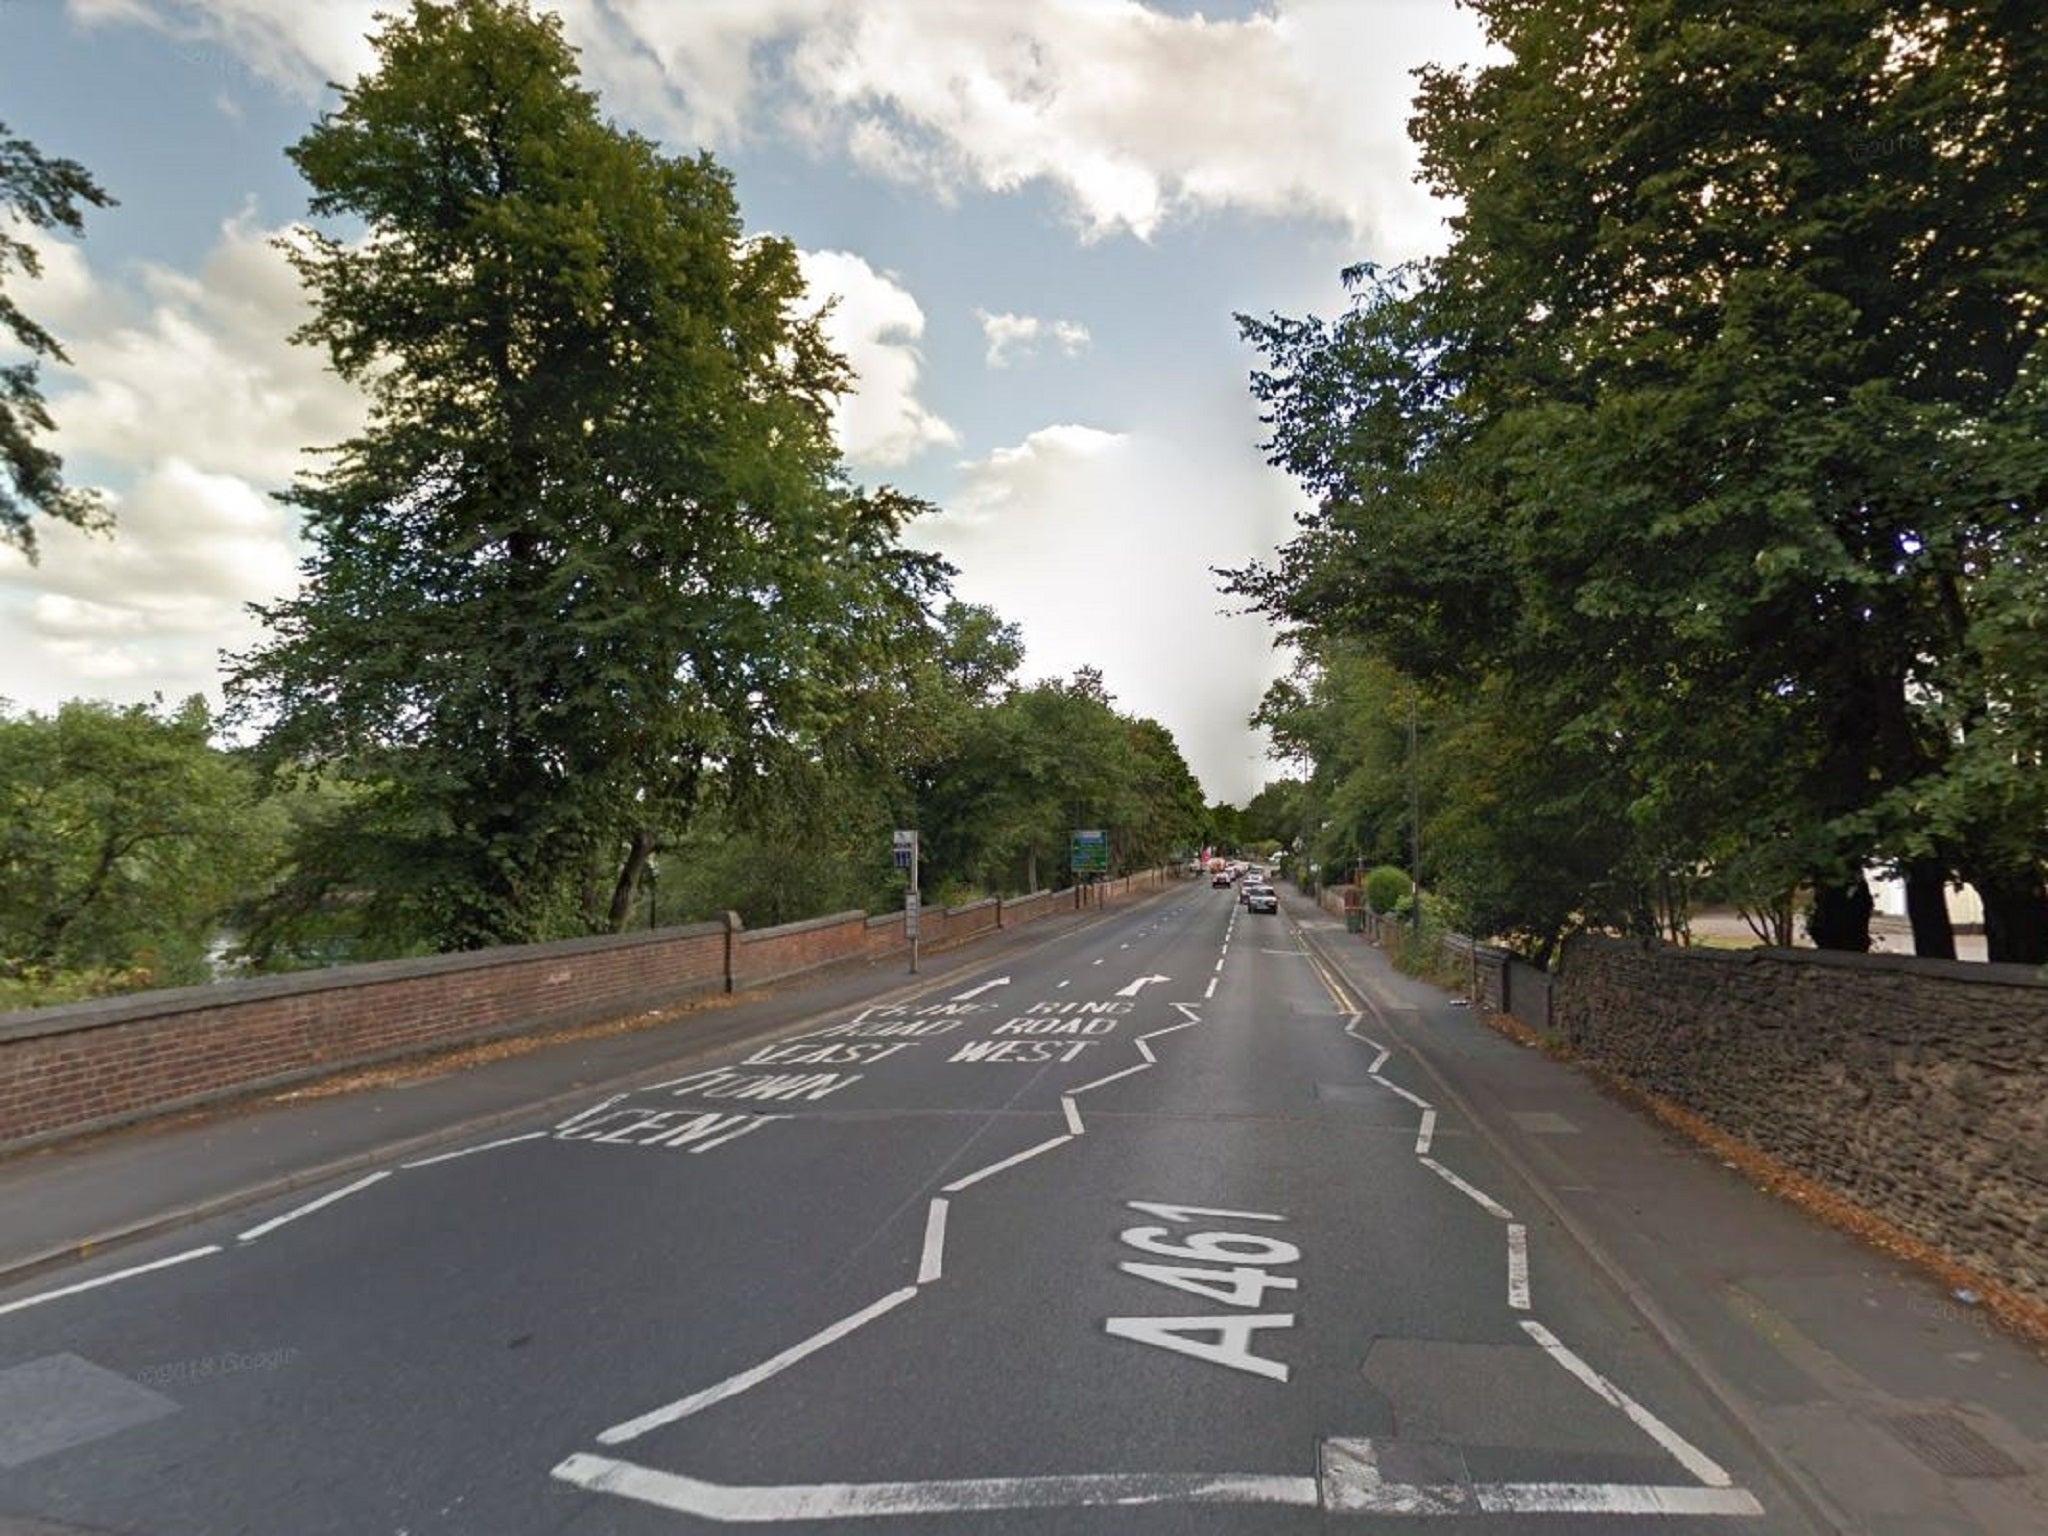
1262	898
1219	881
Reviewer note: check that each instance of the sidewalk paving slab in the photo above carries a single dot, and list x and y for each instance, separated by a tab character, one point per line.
1895	1409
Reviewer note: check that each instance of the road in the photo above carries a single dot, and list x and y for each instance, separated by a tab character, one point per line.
1141	1232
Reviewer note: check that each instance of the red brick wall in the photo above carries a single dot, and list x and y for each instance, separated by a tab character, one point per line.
87	1066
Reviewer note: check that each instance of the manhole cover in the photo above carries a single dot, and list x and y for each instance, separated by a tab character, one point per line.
1951	1447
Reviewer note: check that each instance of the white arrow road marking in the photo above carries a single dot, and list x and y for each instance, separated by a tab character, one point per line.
973	992
1139	985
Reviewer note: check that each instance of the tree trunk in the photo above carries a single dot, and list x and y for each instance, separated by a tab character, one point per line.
2015	915
1841	914
1031	867
628	885
1934	936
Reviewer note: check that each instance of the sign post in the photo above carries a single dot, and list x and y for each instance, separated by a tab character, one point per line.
905	852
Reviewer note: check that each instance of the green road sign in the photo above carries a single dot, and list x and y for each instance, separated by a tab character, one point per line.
1090	852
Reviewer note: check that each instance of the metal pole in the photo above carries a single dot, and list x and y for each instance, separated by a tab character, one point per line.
1414	819
917	921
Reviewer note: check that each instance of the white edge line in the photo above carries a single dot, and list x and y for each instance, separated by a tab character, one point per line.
774	1365
824	1501
313	1205
1143	1066
1518	1266
1011	1161
119	1274
1425	1135
505	1141
1478	1197
1689	1456
928	1264
1072	1113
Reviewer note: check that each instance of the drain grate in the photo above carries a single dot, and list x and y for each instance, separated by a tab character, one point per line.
1951	1447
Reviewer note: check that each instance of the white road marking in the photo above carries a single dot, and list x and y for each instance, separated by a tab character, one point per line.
753	1123
840	1501
1154	1034
1689	1456
119	1274
1145	1051
974	992
1073	1114
1392	1087
506	1141
1233	1338
1425	1137
1351	1484
1192	1015
1098	962
934	1243
1210	990
774	1365
1518	1266
1100	1081
1139	985
599	1108
313	1205
1068	982
1378	1062
1011	1161
1479	1197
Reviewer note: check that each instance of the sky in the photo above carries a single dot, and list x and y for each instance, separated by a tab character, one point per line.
1038	217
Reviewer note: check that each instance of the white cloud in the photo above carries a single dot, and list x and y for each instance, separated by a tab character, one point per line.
1134	116
875	324
1099	546
185	392
1011	337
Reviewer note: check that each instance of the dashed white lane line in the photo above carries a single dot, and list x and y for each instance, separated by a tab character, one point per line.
774	1365
1518	1266
1688	1455
1073	1114
932	1259
1068	982
1425	1135
120	1274
313	1205
1210	990
1478	1197
1011	1161
503	1141
827	1501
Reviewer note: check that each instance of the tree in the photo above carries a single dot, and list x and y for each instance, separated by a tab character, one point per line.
47	193
594	557
1701	442
125	837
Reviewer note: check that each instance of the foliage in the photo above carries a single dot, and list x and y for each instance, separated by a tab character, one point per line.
125	838
1699	478
594	558
1385	887
48	194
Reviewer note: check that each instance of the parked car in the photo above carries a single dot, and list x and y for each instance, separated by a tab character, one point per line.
1262	898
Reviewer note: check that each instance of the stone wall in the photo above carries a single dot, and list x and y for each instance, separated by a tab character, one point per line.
1917	1088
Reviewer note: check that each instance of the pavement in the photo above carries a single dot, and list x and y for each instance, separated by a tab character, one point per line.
1167	1219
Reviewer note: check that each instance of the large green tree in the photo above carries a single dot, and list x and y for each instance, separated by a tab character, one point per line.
594	555
48	193
1708	440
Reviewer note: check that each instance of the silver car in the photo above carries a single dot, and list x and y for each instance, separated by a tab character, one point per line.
1262	898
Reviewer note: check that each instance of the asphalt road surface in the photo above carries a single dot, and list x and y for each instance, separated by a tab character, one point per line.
1141	1232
